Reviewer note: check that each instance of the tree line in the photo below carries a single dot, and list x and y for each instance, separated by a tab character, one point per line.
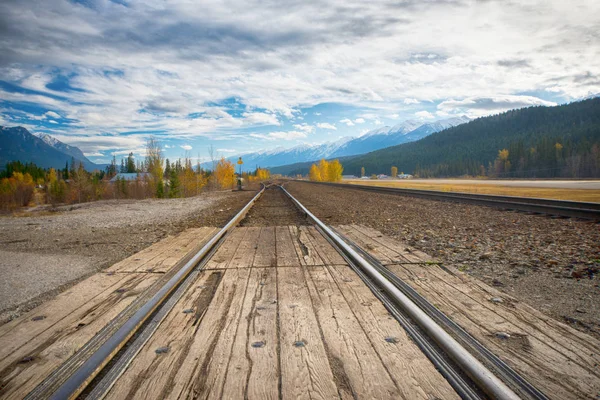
156	177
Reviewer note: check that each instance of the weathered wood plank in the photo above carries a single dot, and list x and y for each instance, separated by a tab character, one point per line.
305	369
286	251
151	374
225	252
141	258
308	255
410	369
203	371
244	255
403	250
253	371
357	368
375	249
552	356
191	240
266	253
30	353
329	255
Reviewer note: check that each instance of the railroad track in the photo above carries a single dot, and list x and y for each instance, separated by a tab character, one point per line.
560	208
473	371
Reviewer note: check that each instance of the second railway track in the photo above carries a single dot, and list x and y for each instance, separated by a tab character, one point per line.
99	367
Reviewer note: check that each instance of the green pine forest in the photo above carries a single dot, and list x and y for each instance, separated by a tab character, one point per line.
535	142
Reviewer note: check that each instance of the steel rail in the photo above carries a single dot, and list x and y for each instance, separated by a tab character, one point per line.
86	372
500	367
564	208
483	377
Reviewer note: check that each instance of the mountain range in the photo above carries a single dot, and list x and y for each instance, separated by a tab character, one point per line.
18	144
541	142
407	131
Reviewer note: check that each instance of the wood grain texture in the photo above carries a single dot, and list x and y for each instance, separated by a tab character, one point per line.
266	253
411	370
559	360
190	240
203	371
32	349
150	374
244	254
253	370
286	251
401	249
305	250
305	369
327	253
226	251
356	366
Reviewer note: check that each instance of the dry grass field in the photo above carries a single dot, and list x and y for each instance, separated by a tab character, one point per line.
494	188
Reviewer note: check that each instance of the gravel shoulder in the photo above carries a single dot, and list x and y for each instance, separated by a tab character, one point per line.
551	264
42	253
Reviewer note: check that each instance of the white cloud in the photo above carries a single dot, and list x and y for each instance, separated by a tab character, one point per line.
95	154
179	74
326	125
51	114
227	150
289	135
304	127
186	147
378	122
359	121
424	114
477	106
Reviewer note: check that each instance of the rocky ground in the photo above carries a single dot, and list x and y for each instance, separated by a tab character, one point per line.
551	264
43	252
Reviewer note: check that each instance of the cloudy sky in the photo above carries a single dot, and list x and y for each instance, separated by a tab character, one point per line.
249	75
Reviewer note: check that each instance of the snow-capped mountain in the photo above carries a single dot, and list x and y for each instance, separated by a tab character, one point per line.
407	131
18	144
62	147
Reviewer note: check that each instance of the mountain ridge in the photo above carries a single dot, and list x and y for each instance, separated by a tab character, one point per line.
375	139
18	144
529	134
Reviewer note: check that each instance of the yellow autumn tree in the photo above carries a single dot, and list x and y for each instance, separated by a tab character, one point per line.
323	169
362	172
394	172
191	181
326	171
334	171
314	174
224	173
262	174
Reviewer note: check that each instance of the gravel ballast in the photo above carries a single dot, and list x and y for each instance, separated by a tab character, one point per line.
551	264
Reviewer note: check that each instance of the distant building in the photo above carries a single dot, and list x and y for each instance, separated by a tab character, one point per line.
405	176
382	176
348	177
130	176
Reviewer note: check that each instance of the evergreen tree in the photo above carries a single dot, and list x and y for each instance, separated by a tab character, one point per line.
174	185
130	166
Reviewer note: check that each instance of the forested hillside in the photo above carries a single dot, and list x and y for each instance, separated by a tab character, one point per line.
535	142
